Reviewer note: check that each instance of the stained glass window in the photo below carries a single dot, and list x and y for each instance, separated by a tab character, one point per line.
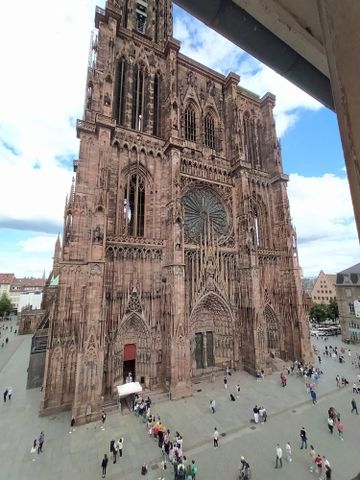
204	209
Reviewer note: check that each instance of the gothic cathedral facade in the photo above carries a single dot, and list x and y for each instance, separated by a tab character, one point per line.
178	255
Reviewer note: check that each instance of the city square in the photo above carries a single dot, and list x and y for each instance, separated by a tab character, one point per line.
78	454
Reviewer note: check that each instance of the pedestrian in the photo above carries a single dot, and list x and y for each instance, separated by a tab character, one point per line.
232	397
355	390
10	392
33	449
331	425
194	469
41	442
238	390
312	456
256	414
212	406
354	406
278	456
263	414
338	381
244	469
103	416
104	464
163	467
303	437
328	472
288	452
313	396
318	463
340	429
216	438
225	383
5	395
119	445
72	424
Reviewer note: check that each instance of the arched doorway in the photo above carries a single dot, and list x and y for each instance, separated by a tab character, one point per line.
212	338
132	351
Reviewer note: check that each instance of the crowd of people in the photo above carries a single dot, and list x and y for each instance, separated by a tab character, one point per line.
172	447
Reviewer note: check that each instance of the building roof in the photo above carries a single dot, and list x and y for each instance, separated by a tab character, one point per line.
6	278
353	269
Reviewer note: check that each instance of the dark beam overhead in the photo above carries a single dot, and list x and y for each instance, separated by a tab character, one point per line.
235	24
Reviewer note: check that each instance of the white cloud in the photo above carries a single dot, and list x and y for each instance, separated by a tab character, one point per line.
38	244
323	216
42	91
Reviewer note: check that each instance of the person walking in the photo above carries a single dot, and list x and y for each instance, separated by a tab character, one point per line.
318	463
212	406
41	442
244	469
194	469
119	445
288	452
354	406
103	417
331	425
278	456
340	429
238	390
313	396
10	392
225	383
303	437
104	464
34	449
5	395
216	438
312	457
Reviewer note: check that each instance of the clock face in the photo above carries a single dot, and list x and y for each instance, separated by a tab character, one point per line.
200	207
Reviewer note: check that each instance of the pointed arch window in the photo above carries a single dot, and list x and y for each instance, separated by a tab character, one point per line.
272	329
156	119
139	91
209	129
190	124
134	206
141	15
119	104
257	229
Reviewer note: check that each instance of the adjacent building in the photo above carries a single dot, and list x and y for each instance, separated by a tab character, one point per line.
178	255
348	298
324	290
6	280
22	292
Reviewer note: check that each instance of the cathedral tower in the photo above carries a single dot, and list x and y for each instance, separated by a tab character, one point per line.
178	253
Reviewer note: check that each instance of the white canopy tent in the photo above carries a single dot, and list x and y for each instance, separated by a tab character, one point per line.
128	389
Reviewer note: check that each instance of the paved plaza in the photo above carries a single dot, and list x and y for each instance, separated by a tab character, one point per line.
78	455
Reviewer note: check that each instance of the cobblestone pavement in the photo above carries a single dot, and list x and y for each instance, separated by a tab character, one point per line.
78	455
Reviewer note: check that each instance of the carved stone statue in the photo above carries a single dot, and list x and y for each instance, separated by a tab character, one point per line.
98	235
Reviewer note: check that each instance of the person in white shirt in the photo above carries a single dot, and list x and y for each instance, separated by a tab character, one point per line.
288	452
216	437
278	456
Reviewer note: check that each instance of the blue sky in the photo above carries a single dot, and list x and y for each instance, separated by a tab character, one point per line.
38	139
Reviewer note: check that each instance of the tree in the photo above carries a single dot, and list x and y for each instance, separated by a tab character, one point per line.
333	309
5	304
319	312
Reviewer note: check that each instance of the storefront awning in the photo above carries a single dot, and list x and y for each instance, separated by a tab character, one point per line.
128	389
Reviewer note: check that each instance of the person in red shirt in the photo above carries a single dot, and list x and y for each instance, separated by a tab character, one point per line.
318	463
340	429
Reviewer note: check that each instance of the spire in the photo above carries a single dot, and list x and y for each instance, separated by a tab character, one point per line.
57	251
